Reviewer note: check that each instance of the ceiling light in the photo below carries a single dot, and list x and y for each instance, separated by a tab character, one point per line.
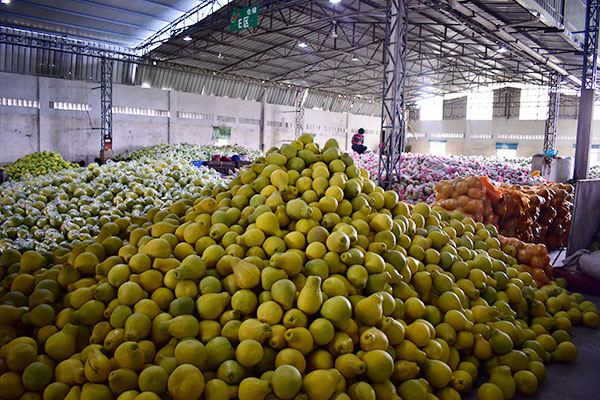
354	58
303	45
5	1
334	34
335	1
502	50
153	62
187	38
220	55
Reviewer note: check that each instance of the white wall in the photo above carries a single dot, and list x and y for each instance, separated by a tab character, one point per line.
76	134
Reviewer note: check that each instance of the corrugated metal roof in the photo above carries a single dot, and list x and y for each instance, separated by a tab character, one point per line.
123	23
452	46
46	62
344	45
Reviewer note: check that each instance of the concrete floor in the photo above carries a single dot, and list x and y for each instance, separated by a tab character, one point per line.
579	380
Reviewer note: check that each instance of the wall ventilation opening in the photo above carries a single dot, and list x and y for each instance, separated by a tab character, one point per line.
194	115
146	112
250	121
225	118
4	101
521	137
481	136
67	106
447	135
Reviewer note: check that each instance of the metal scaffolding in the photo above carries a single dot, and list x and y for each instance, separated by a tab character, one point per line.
393	98
551	129
299	120
106	96
588	88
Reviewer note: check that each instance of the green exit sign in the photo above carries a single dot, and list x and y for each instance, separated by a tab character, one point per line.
244	18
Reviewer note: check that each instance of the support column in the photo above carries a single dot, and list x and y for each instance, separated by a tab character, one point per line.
263	103
551	129
169	106
39	111
393	101
106	97
584	133
588	88
44	135
299	122
347	130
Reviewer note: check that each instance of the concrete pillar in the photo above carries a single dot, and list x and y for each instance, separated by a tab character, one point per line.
584	133
172	114
37	96
43	115
347	131
263	103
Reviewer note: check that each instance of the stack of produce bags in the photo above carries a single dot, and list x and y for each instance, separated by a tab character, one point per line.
540	213
535	214
469	196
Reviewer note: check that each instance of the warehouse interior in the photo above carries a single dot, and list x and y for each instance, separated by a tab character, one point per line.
167	103
451	50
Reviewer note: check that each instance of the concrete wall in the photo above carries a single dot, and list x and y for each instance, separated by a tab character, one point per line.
144	117
186	117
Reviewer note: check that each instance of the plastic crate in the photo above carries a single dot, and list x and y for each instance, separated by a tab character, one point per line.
198	163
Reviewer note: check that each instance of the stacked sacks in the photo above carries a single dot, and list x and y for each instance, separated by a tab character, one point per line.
472	196
540	213
302	279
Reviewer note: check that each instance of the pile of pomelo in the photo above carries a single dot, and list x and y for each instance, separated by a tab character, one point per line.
301	280
38	163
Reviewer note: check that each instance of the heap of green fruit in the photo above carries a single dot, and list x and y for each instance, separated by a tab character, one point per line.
51	209
302	279
38	163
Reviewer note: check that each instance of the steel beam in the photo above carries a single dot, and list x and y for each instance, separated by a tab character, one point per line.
106	97
393	97
588	88
551	129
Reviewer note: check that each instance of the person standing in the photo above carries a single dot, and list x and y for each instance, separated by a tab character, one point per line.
358	141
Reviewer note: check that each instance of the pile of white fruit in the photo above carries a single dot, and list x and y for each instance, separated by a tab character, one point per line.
189	152
42	212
